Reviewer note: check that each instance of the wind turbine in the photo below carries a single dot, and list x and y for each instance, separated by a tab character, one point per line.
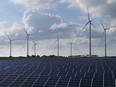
71	50
34	46
90	25
10	45
105	32
57	46
27	37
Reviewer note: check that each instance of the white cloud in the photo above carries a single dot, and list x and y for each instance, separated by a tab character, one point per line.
39	24
111	1
55	26
46	25
96	7
102	9
2	28
12	29
35	4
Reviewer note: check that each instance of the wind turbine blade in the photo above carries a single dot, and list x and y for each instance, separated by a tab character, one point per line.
32	47
55	41
26	37
13	39
37	43
25	31
57	38
110	27
93	25
107	28
102	25
85	25
33	41
103	34
8	37
88	14
8	44
72	40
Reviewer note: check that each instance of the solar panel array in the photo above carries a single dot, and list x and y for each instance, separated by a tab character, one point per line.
58	73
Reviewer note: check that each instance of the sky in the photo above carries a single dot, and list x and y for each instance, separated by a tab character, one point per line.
44	20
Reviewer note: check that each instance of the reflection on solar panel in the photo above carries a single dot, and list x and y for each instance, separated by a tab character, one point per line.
83	72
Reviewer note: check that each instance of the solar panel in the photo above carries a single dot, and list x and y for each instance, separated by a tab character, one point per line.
8	81
89	75
3	71
3	77
97	83
63	82
85	83
109	83
58	73
11	71
74	82
18	81
52	81
41	81
29	81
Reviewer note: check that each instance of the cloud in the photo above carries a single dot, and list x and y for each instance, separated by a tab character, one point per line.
12	29
41	26
99	9
2	28
35	4
96	7
56	26
46	25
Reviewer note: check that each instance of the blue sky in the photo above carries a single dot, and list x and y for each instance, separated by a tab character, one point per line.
10	12
45	19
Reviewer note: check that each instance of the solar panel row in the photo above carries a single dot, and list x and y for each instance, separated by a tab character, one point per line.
58	73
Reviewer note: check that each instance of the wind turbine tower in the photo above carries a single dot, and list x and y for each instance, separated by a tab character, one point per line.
35	47
90	25
27	37
105	32
10	45
57	46
71	49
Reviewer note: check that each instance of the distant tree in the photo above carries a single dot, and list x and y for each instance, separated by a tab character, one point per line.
33	56
44	56
52	56
38	55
